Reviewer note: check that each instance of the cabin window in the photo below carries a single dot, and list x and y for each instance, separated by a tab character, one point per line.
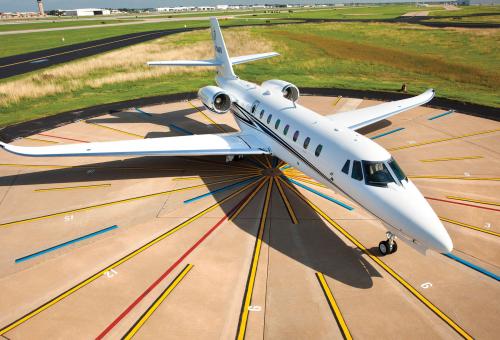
261	114
318	150
254	106
285	130
357	173
296	135
377	174
306	142
397	170
345	168
277	124
269	119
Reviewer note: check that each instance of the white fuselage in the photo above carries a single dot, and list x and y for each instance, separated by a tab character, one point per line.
399	204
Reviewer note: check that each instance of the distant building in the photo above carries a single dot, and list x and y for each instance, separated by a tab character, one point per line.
40	8
477	2
85	12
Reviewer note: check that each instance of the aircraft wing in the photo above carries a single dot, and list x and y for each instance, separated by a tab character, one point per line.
357	119
195	145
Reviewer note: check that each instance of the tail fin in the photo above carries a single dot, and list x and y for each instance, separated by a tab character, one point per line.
225	68
221	59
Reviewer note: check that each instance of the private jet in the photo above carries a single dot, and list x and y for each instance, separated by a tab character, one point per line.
326	148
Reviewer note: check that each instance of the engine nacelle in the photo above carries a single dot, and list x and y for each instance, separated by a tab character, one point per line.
289	91
215	99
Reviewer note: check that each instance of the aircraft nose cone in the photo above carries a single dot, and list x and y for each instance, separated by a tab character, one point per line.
440	239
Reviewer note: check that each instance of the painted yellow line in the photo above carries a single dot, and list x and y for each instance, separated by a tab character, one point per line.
252	195
242	325
473	200
334	307
443	140
208	118
73	188
147	314
337	101
116	130
101	205
308	181
444	159
465	225
269	165
75	50
288	206
40	140
384	266
124	259
465	178
194	178
257	159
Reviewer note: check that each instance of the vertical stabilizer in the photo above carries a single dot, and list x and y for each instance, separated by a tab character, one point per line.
225	68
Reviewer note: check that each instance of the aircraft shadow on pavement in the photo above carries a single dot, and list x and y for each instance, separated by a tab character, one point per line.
179	117
311	242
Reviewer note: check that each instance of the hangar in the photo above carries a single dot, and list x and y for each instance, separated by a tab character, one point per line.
84	12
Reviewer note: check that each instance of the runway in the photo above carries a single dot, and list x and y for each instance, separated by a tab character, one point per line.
247	249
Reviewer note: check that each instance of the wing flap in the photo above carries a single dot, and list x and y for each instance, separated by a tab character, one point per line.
357	119
195	145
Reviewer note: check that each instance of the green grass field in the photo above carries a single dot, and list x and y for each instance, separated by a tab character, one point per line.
459	64
29	42
58	24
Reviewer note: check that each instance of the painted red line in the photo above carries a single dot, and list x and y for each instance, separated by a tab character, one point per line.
460	203
169	270
75	140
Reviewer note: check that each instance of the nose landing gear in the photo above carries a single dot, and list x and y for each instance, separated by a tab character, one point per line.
390	246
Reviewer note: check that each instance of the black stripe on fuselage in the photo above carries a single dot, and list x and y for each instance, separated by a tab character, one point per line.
273	135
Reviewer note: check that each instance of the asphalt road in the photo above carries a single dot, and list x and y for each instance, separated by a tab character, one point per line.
22	63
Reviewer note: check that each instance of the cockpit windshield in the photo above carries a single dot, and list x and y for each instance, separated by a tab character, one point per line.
397	170
377	174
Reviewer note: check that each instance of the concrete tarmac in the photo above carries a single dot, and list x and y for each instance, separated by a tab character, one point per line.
255	273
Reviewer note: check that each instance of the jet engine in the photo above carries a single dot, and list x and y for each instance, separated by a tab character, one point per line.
289	91
215	99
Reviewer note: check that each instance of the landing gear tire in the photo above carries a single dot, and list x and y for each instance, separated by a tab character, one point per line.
386	249
383	247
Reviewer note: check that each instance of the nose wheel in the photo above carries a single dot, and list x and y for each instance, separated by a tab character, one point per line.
390	246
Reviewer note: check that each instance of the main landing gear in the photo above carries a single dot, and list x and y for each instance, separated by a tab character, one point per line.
390	246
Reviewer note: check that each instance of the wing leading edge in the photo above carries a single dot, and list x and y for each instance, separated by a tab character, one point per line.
196	145
357	119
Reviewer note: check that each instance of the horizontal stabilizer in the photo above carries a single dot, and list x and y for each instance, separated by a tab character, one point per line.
185	63
212	62
252	57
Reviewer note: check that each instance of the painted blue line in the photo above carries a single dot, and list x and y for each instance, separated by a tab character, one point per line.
473	266
441	115
143	112
331	199
180	129
286	167
21	259
227	187
387	133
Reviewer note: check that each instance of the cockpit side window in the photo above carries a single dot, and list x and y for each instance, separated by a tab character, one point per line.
377	174
397	170
357	173
345	168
